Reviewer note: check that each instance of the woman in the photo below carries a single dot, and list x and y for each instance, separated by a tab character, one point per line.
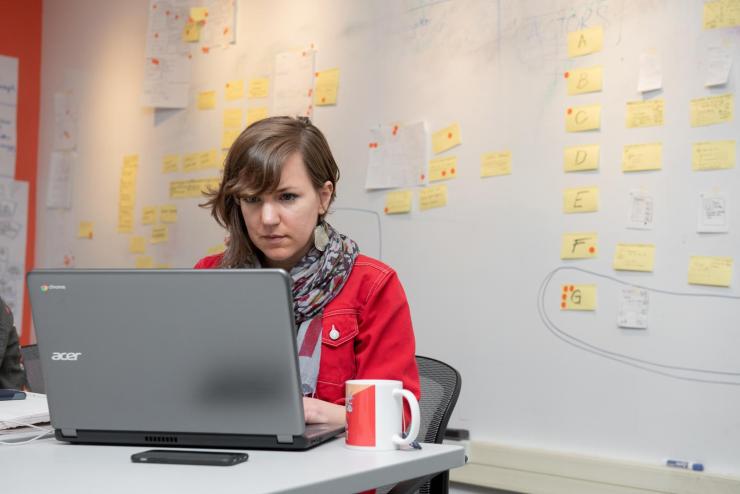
279	181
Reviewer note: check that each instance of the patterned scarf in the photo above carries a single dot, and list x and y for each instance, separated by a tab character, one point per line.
317	279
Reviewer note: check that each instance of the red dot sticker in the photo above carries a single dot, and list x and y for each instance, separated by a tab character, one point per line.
449	135
563	305
228	85
395	129
565	288
452	171
205	49
566	75
592	249
444	173
385	210
323	99
571	288
155	61
570	110
226	31
423	176
565	296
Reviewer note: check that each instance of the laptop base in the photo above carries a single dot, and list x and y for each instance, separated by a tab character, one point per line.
315	435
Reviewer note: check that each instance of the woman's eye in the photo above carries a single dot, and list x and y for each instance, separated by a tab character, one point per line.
250	199
288	196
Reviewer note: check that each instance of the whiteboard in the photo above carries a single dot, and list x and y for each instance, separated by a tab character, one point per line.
473	271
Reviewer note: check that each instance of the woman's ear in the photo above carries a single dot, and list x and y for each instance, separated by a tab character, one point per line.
325	193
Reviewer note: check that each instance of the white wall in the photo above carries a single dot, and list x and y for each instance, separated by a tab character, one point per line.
471	270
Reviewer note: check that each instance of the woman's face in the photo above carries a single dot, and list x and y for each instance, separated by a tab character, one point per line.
281	223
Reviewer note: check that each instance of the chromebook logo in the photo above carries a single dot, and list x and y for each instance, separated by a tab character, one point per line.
46	288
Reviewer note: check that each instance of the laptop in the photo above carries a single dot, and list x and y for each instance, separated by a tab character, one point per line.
195	358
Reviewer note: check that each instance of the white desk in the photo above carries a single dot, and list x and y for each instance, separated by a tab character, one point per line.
49	466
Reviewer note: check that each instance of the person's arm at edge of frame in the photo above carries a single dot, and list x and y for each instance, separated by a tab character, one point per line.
12	373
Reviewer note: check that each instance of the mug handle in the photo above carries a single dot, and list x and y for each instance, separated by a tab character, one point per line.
415	418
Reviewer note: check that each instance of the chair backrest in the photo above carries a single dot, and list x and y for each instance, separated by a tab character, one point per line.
440	387
32	364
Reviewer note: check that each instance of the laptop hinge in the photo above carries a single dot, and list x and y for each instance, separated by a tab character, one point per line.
69	432
285	439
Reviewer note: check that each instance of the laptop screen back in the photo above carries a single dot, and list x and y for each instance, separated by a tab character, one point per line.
202	351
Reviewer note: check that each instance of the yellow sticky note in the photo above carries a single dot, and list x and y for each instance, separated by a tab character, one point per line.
581	158
433	197
198	14
256	114
85	230
712	155
493	164
721	13
228	138
208	159
190	162
634	257
715	271
184	189
216	249
711	110
581	200
168	213
191	32
581	118
578	297
171	163
258	88
160	233
398	201
447	138
327	86
442	168
144	262
148	215
581	81
578	245
642	157
207	100
234	90
585	41
137	245
233	118
644	113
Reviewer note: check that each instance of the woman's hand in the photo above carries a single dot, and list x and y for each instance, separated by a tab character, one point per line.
322	412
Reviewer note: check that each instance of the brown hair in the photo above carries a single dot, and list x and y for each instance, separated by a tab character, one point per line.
254	165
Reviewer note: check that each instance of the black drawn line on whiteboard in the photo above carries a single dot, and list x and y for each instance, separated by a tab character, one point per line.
619	357
377	219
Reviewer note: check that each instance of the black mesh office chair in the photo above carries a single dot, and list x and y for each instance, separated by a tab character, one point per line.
32	364
440	387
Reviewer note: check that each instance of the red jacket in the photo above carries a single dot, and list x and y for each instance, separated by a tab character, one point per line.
376	339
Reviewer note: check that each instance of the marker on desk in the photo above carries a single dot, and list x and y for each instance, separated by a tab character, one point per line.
696	467
11	394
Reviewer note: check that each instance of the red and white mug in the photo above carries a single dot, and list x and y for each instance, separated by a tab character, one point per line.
374	411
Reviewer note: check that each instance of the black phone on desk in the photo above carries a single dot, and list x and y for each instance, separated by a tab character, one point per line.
189	457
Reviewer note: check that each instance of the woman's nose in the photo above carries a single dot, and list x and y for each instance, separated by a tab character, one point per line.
270	214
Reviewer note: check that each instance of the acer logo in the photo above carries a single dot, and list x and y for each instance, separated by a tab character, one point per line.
65	355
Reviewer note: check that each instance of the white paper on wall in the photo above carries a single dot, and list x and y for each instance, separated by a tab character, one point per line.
59	184
293	87
713	213
167	65
718	64
634	308
220	27
641	213
65	121
8	114
397	156
13	221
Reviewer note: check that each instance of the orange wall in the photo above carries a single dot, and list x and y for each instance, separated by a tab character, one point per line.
21	37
